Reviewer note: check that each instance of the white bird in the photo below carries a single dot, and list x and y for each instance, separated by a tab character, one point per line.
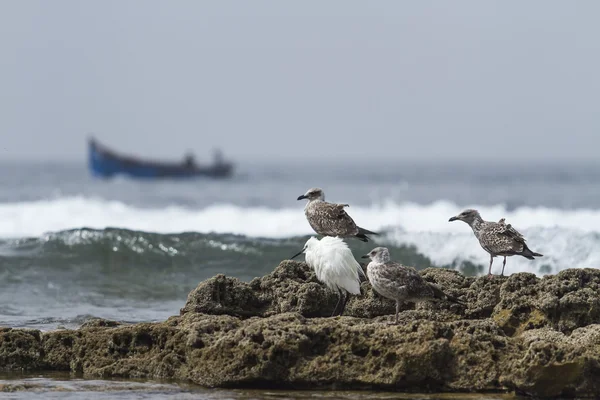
334	265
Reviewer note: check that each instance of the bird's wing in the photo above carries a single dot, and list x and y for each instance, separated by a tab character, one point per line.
409	277
332	220
338	265
439	293
513	233
510	231
503	226
340	209
500	238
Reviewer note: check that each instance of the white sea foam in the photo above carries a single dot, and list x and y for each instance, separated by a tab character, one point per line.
567	238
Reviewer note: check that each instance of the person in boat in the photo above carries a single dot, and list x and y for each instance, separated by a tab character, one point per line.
189	161
218	157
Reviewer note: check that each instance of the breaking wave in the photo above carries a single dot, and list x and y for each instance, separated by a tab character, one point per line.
567	238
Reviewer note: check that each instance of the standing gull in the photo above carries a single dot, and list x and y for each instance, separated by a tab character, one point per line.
497	238
335	266
330	219
401	283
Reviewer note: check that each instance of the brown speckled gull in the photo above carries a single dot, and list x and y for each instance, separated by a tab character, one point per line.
497	238
401	283
330	219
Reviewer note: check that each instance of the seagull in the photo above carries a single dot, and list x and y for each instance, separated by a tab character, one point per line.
497	238
401	283
335	266
330	219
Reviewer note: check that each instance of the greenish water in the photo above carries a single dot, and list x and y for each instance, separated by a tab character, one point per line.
65	386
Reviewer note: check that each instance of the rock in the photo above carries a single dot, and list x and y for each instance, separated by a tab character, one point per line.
291	287
20	349
555	364
539	337
564	302
224	295
99	323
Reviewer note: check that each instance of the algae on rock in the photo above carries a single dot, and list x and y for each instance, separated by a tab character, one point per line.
539	336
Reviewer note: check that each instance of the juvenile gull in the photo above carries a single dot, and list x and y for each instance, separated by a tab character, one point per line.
401	283
330	219
497	238
335	266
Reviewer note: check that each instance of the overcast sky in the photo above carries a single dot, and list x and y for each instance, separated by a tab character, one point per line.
269	79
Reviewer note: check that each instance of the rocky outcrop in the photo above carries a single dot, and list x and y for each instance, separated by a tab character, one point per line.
536	336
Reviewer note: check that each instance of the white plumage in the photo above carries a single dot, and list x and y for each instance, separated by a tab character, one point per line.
334	264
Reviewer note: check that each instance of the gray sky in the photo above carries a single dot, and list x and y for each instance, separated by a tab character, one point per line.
262	79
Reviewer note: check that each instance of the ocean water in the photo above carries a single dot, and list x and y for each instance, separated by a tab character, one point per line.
74	247
63	386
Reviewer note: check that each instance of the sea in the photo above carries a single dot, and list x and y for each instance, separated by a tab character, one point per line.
74	247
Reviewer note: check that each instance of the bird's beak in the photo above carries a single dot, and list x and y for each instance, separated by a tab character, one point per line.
296	255
301	197
452	219
365	256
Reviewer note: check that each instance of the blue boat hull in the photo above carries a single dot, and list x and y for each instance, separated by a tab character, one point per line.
105	163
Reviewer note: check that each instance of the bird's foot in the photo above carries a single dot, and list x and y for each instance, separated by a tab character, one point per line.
490	276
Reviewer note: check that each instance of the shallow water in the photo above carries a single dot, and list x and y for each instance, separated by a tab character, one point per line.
64	386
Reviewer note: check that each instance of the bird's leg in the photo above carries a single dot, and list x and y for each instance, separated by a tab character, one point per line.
503	265
338	302
397	310
490	270
346	298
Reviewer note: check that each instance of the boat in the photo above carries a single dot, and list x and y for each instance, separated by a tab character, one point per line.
106	163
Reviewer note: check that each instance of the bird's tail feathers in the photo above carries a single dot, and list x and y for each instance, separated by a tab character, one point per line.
361	272
528	253
366	231
362	236
440	294
363	231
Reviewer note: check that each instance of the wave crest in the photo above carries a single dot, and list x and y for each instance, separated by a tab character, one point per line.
567	238
35	218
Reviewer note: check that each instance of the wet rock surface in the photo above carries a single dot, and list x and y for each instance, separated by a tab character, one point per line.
535	336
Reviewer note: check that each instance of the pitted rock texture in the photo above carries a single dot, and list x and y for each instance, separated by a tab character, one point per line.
534	336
